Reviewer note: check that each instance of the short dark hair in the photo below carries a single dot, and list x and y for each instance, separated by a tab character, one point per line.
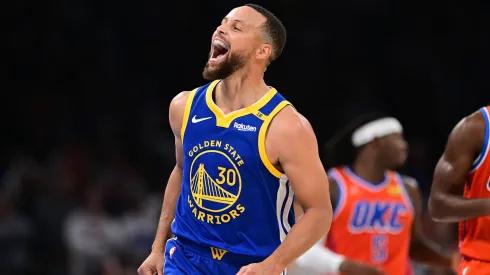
339	149
274	29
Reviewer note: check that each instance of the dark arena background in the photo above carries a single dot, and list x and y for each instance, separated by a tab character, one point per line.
86	145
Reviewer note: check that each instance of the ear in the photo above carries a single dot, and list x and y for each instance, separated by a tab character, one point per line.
264	52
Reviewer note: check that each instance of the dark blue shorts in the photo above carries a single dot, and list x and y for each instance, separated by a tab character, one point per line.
181	259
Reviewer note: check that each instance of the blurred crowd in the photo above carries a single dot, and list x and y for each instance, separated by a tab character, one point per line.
69	213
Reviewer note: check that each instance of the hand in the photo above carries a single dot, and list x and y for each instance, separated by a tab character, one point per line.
258	269
357	268
153	265
455	260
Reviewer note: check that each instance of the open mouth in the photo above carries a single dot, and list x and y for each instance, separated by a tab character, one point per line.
220	49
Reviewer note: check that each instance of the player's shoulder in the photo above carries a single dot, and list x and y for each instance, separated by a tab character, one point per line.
177	108
290	123
469	130
471	123
179	101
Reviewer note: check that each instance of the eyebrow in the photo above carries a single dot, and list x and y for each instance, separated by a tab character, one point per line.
234	20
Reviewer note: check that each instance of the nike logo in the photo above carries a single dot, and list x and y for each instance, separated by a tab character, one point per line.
488	185
197	120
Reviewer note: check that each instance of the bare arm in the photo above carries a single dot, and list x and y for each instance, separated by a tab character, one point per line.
464	144
176	113
422	249
296	149
320	260
334	193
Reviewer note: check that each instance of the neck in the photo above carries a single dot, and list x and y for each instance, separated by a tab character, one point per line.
366	167
241	89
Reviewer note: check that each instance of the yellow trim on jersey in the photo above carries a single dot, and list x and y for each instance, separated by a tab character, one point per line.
262	133
223	120
187	111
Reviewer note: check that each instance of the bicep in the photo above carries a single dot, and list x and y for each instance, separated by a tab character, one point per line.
456	161
450	173
176	117
301	163
179	153
334	194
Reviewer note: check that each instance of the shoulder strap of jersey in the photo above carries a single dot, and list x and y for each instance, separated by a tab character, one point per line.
486	142
400	187
342	191
188	107
267	118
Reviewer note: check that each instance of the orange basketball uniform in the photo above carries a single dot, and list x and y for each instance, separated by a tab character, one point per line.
474	234
372	223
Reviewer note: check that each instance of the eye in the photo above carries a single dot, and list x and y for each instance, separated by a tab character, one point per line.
236	28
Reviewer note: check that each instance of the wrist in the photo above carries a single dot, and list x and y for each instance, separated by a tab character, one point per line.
158	247
274	265
160	242
157	250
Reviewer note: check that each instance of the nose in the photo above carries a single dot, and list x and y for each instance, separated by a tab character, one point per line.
221	29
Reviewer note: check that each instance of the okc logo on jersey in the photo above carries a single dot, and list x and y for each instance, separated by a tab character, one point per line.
377	217
215	182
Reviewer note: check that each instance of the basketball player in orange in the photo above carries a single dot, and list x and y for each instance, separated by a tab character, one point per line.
466	162
377	212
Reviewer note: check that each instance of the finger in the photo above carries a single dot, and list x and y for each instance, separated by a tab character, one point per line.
241	271
141	271
147	271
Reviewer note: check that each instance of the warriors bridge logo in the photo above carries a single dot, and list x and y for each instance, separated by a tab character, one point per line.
215	182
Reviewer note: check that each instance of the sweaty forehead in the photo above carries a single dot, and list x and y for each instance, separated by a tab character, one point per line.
246	15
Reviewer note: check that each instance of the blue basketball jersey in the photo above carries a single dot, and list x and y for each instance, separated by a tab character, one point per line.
233	200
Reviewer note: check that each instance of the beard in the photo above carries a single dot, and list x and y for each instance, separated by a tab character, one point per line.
232	63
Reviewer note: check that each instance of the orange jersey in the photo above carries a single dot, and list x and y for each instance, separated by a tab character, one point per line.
474	234
372	223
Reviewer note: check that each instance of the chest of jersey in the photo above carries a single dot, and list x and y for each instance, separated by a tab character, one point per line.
367	208
229	189
378	216
372	223
222	164
219	162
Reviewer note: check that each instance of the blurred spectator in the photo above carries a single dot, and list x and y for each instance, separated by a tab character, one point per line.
15	234
91	236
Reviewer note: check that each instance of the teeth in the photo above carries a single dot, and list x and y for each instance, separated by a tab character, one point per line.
219	43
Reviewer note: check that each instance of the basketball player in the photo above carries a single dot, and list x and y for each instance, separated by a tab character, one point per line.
466	162
377	212
238	144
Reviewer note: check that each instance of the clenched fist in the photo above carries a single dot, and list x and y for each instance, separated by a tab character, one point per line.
153	265
258	269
